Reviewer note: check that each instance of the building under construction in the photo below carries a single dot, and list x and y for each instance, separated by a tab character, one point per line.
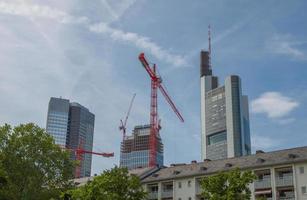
135	149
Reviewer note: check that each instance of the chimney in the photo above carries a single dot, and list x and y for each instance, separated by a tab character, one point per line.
259	151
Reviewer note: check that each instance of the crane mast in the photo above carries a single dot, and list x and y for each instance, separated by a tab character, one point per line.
156	82
123	124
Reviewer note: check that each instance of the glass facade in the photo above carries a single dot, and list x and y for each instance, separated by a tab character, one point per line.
224	118
81	132
72	125
135	151
217	137
236	113
57	120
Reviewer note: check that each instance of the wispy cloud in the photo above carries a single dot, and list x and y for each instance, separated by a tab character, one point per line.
141	42
231	30
32	10
286	45
117	8
273	104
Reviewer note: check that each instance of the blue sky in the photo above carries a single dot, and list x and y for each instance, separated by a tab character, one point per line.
87	51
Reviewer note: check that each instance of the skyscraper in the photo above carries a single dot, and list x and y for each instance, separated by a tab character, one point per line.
224	115
57	120
135	149
72	125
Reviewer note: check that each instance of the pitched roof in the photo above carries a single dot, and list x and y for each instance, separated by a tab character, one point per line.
143	172
286	156
140	172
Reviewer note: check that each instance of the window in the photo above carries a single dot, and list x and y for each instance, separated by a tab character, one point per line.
179	185
189	183
301	170
217	137
304	190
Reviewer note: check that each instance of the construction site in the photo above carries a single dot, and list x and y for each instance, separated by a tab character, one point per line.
144	148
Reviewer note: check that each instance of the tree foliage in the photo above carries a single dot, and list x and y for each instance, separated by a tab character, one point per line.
32	166
114	184
231	185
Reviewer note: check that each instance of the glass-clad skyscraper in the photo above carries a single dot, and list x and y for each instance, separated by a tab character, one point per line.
57	120
72	125
224	115
81	132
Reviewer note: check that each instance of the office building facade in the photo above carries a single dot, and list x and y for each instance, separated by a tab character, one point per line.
224	115
57	120
135	149
72	126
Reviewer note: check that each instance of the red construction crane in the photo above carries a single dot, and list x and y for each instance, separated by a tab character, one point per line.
122	126
79	152
156	82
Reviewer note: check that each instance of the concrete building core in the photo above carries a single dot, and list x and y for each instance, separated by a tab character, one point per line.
224	115
135	149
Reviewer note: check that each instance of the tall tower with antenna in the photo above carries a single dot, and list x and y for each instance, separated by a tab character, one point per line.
224	113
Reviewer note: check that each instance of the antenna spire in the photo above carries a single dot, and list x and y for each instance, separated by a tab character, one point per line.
209	49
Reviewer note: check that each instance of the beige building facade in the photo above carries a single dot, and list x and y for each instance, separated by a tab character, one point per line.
281	175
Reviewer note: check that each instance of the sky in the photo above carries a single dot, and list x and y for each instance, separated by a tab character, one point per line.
87	51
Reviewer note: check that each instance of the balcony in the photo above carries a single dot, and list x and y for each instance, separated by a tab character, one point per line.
286	194
285	180
167	193
153	195
262	183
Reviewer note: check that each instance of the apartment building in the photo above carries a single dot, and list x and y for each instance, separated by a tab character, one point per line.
281	175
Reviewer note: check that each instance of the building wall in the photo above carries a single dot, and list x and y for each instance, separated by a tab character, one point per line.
234	116
184	189
81	131
72	125
301	180
207	83
57	120
135	151
135	159
223	110
215	119
193	191
246	127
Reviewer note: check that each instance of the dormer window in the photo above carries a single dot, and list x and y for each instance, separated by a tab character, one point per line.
260	160
228	165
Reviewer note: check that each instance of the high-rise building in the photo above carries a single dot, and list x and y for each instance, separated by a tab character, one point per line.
81	132
57	120
72	125
135	149
224	115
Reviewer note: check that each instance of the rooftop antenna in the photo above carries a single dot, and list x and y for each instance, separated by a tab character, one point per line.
209	39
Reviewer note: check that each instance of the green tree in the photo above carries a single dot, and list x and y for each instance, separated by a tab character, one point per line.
231	185
114	184
32	166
